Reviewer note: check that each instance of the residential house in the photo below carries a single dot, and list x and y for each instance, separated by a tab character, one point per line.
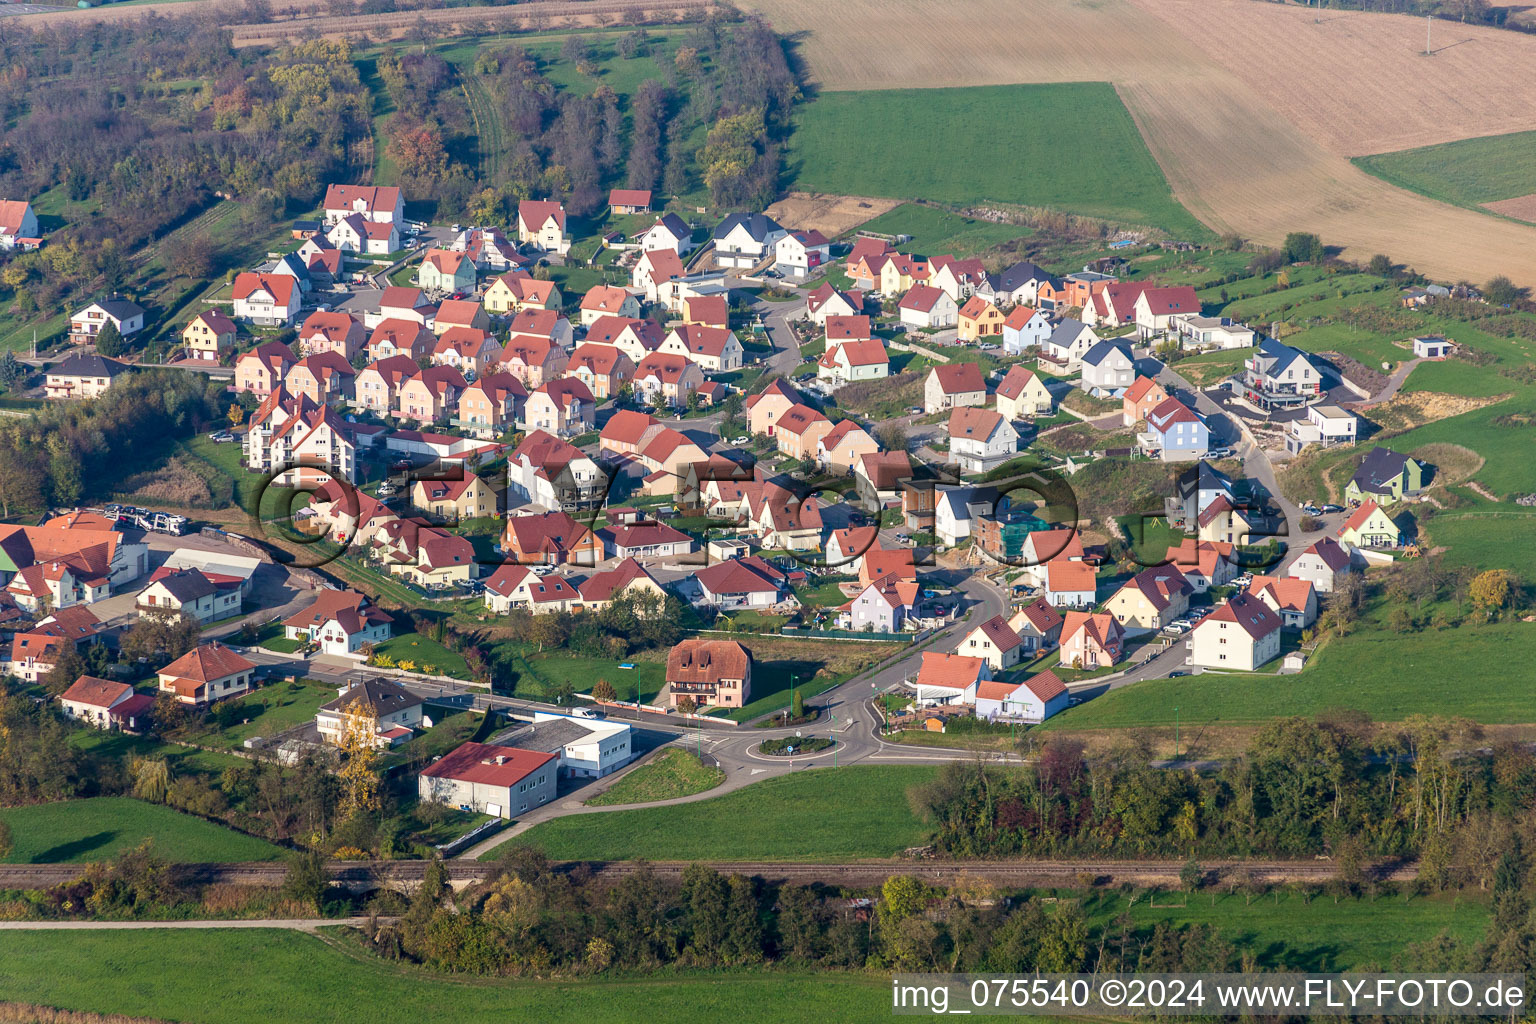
671	377
384	713
602	368
502	782
1017	284
993	642
1091	640
865	246
952	385
842	447
431	395
491	250
1002	533
468	314
464	497
262	369
978	319
207	673
800	430
81	375
714	673
518	290
534	360
742	583
491	405
628	431
562	407
105	704
949	678
712	349
827	300
1194	491
1025	328
670	453
1293	599
1210	332
339	622
550	538
1205	563
1150	600
899	273
424	554
1324	425
541	223
1069	341
669	232
355	233
845	548
849	361
1227	521
707	311
190	592
1022	394
746	239
18	225
383	203
553	474
445	270
604	300
1323	564
623	201
926	306
1034	700
881	563
765	407
1369	526
956	509
1239	636
407	338
1107	367
839	329
653	270
1070	583
884	605
1144	395
1175	432
324	378
127	317
626	581
958	278
470	350
299	441
644	538
1155	307
267	299
1037	625
980	439
209	336
377	385
1278	376
879	478
1385	476
798	253
398	302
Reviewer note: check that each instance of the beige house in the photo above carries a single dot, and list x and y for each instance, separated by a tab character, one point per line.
209	336
541	222
712	349
1241	635
518	290
765	407
1150	600
800	430
430	395
605	300
716	673
206	674
468	497
844	446
674	378
602	368
995	643
952	385
491	404
377	385
82	375
1021	394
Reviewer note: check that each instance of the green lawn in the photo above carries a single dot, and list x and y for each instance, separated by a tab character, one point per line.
1467	172
825	814
80	831
267	712
303	979
537	675
1069	146
1387	675
1490	537
1285	932
429	655
673	773
934	230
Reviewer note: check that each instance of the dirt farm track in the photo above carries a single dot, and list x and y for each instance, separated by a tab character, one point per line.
1252	109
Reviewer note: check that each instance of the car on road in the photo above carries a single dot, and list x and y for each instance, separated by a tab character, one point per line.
585	713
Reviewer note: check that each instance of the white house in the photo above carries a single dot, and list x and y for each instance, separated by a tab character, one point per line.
267	299
1323	565
1025	327
1156	307
669	232
106	704
584	748
852	361
800	252
1107	367
1034	700
746	239
355	233
926	306
949	679
127	317
387	711
191	592
1210	332
981	439
1240	636
1325	425
541	222
18	224
1067	344
339	622
1433	347
381	203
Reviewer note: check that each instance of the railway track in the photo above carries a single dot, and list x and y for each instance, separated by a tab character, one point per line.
369	874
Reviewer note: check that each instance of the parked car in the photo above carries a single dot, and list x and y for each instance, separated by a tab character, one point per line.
1181	624
741	440
1330	509
221	437
1176	675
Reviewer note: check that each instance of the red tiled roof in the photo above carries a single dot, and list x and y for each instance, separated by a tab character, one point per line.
206	663
959	378
842	328
707	661
487	765
96	692
996	630
1014	382
534	213
952	670
1045	685
279	286
922	298
629	197
1250	614
1139	388
970	421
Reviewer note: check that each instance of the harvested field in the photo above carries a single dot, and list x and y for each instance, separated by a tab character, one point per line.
829	214
1520	208
1236	158
1453	463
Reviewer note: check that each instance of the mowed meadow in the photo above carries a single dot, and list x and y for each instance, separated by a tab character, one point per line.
1243	151
1068	146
